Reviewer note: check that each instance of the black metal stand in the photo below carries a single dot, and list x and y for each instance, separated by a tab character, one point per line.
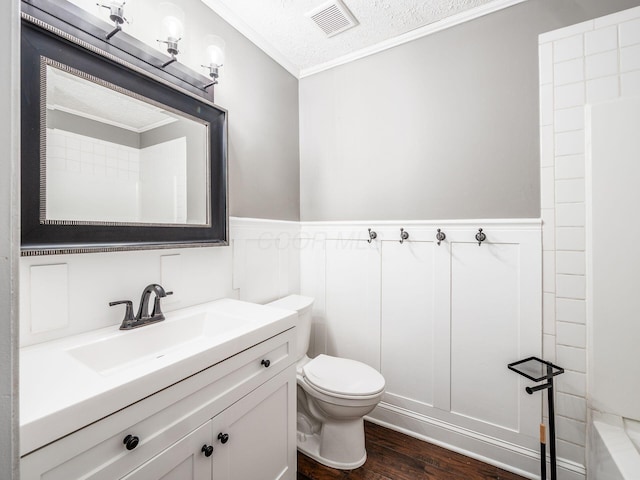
538	370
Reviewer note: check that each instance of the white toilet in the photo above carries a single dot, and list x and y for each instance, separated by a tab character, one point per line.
333	396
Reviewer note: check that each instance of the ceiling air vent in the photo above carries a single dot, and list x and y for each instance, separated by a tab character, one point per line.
333	17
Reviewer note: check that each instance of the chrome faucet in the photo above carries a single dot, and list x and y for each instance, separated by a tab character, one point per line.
143	317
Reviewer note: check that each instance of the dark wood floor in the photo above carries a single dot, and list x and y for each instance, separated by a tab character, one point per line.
395	456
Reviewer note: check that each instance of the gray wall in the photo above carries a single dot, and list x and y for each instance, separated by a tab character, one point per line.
9	240
262	99
443	127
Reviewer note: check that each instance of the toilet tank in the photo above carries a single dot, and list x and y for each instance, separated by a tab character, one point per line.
302	305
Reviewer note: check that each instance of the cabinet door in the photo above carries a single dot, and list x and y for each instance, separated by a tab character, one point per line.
184	460
260	441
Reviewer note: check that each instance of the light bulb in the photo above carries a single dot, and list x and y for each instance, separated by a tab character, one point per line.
213	57
173	27
214	50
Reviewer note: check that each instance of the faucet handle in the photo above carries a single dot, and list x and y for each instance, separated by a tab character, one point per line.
128	313
157	311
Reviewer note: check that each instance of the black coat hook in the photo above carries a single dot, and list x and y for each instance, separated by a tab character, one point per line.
372	235
480	237
440	236
403	235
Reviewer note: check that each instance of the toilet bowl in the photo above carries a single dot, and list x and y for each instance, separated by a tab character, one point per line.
333	396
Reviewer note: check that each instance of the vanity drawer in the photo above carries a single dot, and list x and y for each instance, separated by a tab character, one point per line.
158	421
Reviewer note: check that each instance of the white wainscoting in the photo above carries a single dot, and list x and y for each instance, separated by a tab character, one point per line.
441	323
266	259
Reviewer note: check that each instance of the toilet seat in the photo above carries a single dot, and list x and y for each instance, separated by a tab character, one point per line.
343	378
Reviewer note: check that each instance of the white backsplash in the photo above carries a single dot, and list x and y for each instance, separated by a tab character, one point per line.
64	295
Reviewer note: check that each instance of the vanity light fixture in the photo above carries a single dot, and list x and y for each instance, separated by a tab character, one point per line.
172	29
116	15
214	57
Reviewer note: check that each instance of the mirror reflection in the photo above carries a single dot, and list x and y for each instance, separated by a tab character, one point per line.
115	157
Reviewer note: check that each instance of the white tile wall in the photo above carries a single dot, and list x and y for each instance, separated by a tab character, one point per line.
630	32
602	65
569	119
546	145
570	451
630	58
631	84
546	104
570	71
570	263
602	89
571	406
572	383
591	62
573	430
570	166
570	215
549	314
571	310
570	143
570	286
548	230
569	238
571	335
571	95
572	358
570	191
600	40
568	48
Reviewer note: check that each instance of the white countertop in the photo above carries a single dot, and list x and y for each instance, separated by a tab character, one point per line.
61	391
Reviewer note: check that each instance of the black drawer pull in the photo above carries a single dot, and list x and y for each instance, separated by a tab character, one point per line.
131	442
266	363
223	437
207	450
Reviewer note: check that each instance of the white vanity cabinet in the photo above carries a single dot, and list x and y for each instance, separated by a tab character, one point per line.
250	397
257	441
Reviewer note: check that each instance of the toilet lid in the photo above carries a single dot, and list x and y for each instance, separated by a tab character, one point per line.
343	376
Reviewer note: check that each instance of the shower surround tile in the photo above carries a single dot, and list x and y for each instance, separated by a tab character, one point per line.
600	40
608	50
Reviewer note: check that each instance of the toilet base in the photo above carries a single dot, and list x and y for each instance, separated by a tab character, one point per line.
339	445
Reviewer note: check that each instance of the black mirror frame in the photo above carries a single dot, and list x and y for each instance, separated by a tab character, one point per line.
41	39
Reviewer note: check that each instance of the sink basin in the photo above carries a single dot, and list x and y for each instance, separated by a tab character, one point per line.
72	382
131	349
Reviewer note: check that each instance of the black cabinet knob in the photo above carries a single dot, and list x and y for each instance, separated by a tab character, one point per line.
223	437
131	442
207	450
266	363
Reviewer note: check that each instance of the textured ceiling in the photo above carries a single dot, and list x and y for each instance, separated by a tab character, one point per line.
284	26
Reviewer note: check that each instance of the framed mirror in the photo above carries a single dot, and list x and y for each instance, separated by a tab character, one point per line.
114	158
